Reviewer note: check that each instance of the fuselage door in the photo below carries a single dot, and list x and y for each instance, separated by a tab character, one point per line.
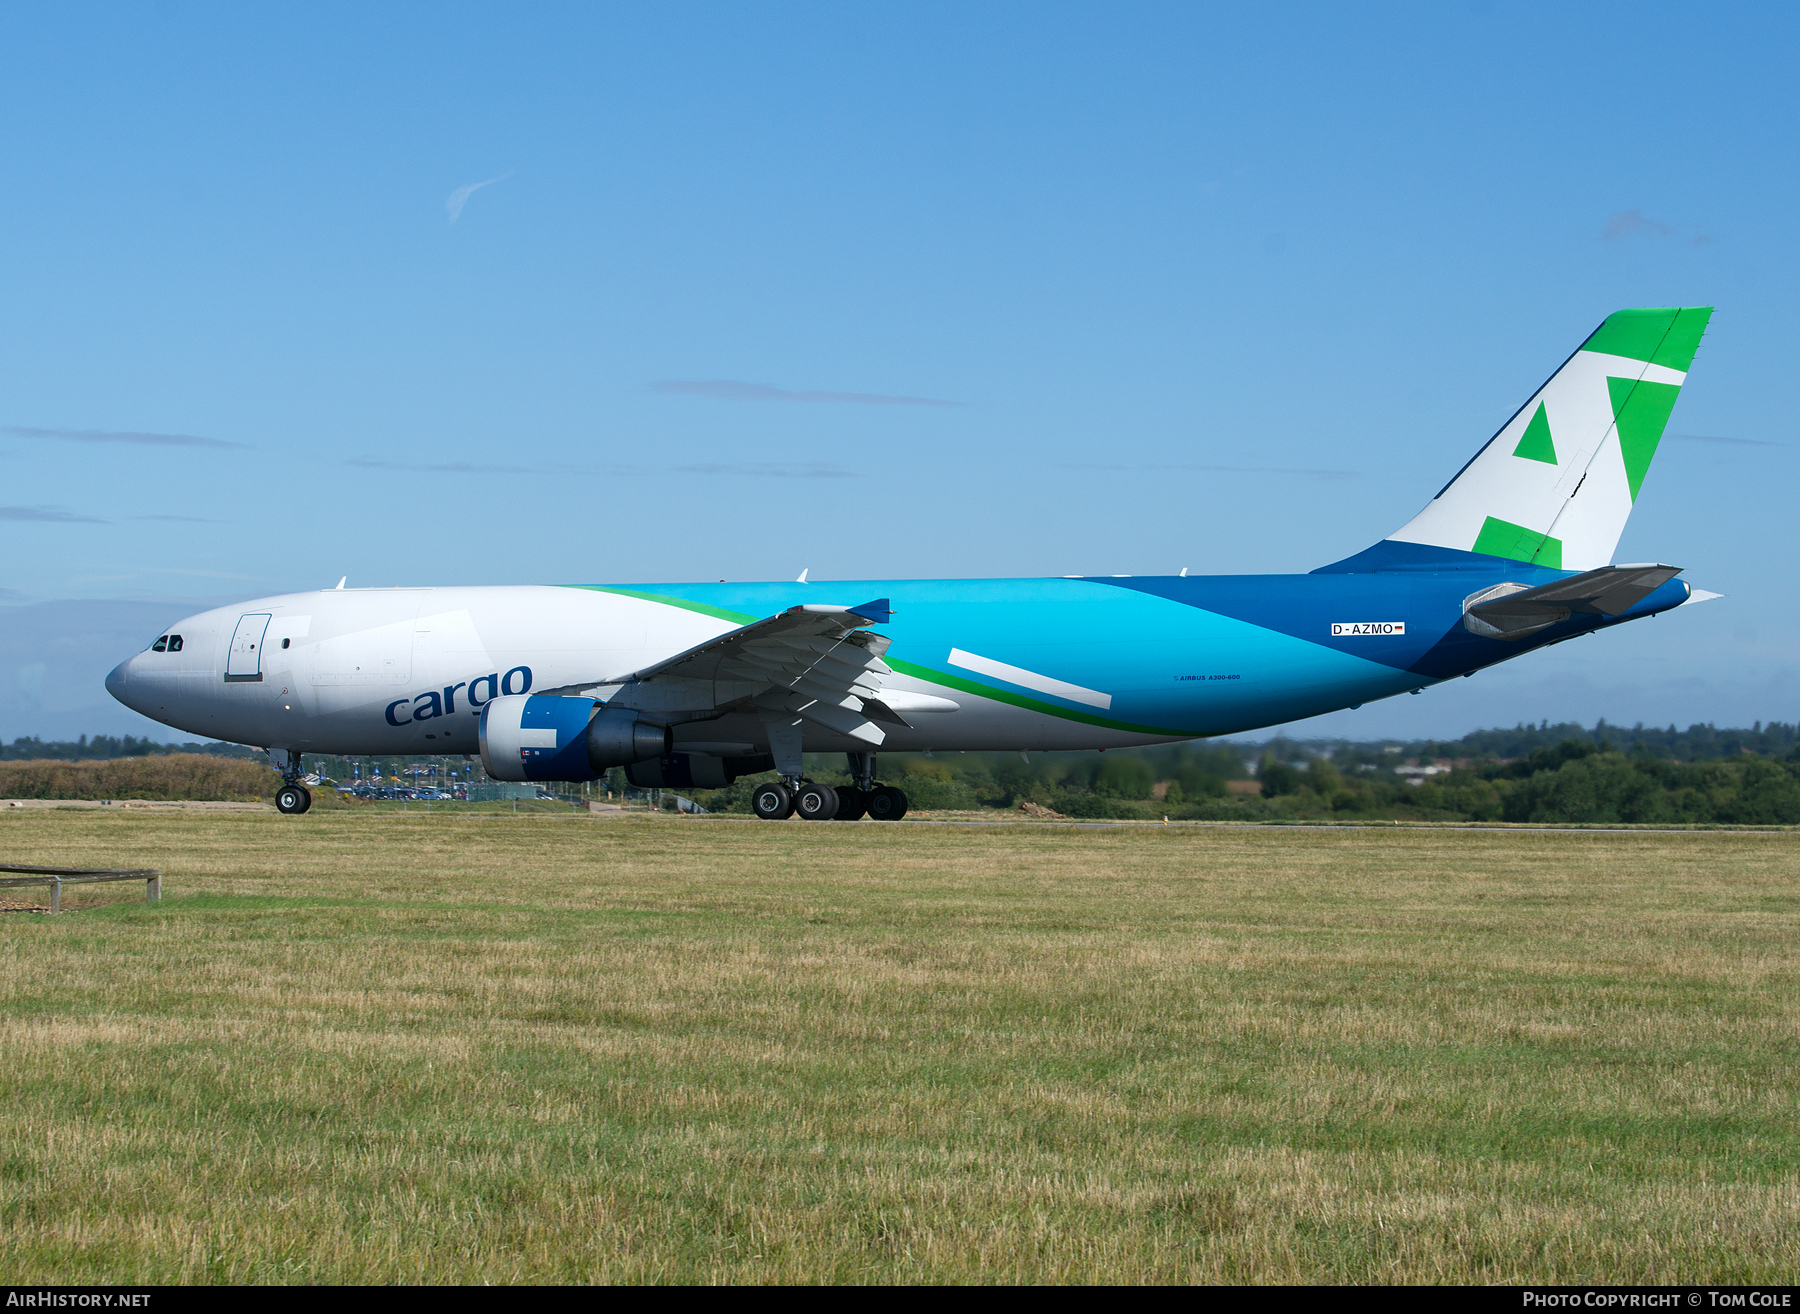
245	659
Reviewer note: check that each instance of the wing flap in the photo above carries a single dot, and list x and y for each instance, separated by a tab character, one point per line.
809	663
810	621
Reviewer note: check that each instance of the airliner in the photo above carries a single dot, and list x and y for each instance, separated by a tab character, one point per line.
694	685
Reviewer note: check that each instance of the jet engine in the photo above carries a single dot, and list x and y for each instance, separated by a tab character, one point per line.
545	737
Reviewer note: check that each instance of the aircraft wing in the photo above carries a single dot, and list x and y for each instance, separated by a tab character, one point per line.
811	663
1512	611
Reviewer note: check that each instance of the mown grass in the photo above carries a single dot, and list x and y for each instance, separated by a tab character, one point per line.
413	1047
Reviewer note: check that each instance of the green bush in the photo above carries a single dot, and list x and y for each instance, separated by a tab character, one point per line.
927	793
1768	794
1279	778
1461	795
1192	784
197	776
1124	777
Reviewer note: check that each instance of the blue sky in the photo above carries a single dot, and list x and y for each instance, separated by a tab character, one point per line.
954	290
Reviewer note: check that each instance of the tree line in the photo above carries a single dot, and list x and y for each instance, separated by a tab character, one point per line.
1564	773
30	748
1547	774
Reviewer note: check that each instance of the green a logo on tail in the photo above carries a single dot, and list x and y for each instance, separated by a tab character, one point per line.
1555	486
1537	445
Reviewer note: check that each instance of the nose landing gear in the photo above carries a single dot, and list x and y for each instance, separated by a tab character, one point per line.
292	798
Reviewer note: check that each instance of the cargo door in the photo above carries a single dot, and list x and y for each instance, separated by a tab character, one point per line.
244	661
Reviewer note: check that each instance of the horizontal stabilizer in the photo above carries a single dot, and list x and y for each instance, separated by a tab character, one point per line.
1512	611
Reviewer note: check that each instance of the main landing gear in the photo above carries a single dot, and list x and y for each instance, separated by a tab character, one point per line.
780	799
292	798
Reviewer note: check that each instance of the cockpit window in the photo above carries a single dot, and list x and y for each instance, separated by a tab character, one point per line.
174	643
161	645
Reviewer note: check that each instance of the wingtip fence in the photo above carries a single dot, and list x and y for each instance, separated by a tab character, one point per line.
57	877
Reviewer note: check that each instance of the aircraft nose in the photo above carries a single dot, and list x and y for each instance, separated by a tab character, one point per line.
117	678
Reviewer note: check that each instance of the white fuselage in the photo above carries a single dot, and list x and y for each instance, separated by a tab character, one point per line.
407	670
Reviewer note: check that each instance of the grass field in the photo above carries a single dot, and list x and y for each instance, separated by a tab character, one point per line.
404	1047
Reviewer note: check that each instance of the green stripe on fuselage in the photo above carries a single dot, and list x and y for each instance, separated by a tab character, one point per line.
904	667
686	604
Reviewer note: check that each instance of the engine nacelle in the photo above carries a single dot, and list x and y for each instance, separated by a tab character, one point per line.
545	737
695	771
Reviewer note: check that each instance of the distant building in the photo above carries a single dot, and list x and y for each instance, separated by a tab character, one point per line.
1414	774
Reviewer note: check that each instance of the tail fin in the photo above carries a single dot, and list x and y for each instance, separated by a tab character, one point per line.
1555	485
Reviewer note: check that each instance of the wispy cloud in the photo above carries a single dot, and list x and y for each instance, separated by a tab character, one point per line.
51	514
774	470
1628	223
1731	442
732	390
453	204
1220	469
116	436
185	520
154	572
1635	223
441	467
10	595
750	469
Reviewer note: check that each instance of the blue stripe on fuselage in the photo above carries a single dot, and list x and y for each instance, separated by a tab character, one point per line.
1307	606
1199	655
1430	600
1170	668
